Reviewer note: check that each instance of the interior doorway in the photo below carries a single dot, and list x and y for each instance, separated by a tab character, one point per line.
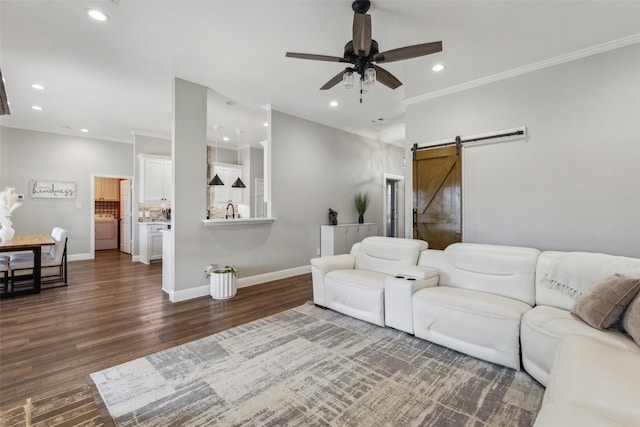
393	205
111	213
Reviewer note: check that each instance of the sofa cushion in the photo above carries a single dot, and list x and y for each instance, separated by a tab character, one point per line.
631	319
590	373
388	254
602	305
543	328
356	293
480	324
508	271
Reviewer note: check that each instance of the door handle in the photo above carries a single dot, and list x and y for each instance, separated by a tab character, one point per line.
415	217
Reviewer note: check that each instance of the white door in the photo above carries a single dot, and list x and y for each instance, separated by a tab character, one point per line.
125	216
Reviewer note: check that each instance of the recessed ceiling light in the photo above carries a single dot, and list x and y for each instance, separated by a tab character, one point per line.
37	86
438	67
67	127
36	107
226	138
231	103
265	124
97	15
333	104
84	130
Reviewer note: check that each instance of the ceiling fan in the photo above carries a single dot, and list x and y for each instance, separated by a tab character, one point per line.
363	54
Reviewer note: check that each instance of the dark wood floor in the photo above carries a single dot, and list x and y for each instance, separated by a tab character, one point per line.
114	311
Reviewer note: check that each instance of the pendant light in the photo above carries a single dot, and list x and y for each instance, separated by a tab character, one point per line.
238	183
216	179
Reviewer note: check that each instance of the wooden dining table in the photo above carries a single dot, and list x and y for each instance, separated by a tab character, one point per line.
34	243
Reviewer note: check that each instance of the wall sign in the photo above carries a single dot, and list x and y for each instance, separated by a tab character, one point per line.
41	189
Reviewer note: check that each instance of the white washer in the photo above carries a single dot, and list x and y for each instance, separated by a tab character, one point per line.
106	232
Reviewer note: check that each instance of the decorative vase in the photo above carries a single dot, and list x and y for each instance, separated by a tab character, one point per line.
6	232
223	285
361	219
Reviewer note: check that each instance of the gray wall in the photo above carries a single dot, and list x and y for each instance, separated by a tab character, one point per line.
31	155
314	168
574	182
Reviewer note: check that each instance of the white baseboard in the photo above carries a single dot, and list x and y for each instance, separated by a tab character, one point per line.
243	282
79	257
187	294
274	275
82	257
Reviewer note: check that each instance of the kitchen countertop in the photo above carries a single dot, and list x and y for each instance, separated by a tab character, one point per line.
154	222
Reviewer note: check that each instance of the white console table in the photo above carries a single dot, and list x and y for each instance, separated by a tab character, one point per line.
338	239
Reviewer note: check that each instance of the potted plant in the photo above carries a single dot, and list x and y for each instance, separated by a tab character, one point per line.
222	281
362	202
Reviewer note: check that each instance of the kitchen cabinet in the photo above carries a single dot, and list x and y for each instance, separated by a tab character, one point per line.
107	189
151	241
338	239
228	174
155	179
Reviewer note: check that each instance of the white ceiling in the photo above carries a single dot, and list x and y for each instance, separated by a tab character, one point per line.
115	78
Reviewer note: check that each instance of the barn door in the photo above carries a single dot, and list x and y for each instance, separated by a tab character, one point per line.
437	200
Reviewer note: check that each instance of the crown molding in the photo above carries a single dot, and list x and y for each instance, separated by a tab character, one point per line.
593	50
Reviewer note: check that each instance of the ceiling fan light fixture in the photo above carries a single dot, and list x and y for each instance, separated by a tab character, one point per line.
347	79
437	67
370	75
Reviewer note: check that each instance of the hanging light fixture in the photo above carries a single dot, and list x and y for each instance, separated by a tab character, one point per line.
347	78
238	183
216	179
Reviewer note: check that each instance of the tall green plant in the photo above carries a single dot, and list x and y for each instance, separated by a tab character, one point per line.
362	202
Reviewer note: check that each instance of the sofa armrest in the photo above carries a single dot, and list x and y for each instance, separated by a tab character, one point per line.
417	272
321	266
334	262
398	298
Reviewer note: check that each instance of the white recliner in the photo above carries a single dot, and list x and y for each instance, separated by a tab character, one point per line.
353	284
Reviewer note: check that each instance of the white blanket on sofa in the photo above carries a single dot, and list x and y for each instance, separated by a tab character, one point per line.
575	272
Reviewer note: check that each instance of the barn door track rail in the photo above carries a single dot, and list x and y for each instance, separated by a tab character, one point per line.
503	135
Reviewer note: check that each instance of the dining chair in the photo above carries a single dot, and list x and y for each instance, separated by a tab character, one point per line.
51	256
4	269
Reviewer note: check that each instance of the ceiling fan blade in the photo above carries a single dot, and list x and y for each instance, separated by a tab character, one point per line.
408	52
386	78
334	81
361	33
316	57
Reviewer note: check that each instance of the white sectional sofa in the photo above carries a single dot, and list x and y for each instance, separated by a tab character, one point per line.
508	305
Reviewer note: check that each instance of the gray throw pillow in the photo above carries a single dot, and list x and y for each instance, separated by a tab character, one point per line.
602	305
631	319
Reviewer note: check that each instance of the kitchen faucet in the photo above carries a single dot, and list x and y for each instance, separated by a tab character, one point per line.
233	211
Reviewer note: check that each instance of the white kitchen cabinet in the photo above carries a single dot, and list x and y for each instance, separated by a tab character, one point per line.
107	189
155	179
338	239
151	241
228	174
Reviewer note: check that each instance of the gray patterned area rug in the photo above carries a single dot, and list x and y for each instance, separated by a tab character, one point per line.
313	367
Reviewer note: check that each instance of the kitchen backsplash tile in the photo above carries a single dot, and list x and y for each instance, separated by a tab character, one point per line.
154	210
